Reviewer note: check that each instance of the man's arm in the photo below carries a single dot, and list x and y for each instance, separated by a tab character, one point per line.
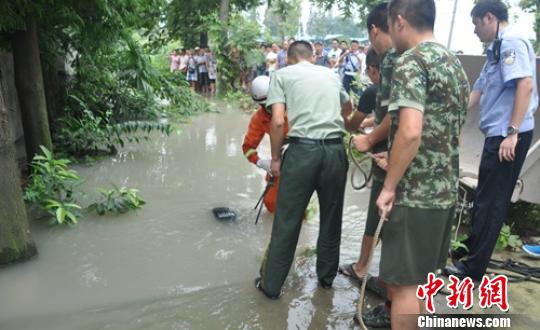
406	143
524	89
364	143
346	112
256	130
368	122
342	57
354	122
359	71
405	147
277	135
474	100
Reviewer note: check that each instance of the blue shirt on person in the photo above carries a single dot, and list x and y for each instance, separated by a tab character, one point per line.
281	58
498	82
352	64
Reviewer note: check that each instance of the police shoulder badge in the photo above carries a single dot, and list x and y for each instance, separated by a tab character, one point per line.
509	57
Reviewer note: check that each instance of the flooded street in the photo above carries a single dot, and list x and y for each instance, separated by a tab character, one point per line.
172	265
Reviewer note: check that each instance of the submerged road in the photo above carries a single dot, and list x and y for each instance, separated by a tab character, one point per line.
171	265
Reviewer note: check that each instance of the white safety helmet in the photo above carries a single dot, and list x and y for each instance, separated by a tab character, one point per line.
259	89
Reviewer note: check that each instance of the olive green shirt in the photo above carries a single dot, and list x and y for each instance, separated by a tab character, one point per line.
313	96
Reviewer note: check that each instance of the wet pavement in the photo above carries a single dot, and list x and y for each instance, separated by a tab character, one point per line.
171	265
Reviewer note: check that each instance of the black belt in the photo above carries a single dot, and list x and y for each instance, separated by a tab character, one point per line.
300	140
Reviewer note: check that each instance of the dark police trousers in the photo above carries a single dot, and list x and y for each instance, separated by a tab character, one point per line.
496	182
305	169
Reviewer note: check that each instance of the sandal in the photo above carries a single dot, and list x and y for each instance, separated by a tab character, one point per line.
348	270
372	281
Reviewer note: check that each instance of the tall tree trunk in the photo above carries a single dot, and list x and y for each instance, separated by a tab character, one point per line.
55	83
203	39
16	243
224	9
29	82
224	51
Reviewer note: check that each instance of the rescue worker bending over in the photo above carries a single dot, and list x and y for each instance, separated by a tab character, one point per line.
259	125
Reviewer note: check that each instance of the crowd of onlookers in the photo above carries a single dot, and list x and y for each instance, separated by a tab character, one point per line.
199	66
348	60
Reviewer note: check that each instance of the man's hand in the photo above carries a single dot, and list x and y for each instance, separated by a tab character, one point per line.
275	167
381	159
385	202
361	143
368	122
507	149
264	164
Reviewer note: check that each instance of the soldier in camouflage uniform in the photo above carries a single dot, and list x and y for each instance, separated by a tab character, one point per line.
428	102
376	142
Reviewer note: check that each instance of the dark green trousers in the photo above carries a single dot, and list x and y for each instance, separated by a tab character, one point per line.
305	169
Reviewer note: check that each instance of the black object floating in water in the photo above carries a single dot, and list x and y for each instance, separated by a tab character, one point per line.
224	213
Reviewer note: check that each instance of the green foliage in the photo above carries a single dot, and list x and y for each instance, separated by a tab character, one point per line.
283	18
348	7
525	218
456	244
117	201
321	23
508	240
242	99
90	134
186	20
231	52
50	187
533	6
62	213
106	45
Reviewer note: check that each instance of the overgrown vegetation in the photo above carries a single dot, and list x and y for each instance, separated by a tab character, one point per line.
120	96
117	201
52	188
508	240
242	99
523	220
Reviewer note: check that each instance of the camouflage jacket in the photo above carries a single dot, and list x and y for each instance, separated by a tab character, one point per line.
429	78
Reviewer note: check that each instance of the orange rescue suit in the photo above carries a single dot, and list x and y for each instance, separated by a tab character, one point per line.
259	125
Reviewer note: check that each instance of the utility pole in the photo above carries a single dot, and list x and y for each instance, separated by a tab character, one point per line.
452	24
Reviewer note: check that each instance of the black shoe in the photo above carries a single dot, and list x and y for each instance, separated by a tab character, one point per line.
325	285
456	271
374	286
258	286
377	317
457	255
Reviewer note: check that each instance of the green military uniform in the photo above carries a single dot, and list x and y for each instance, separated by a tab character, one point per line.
383	96
315	161
430	79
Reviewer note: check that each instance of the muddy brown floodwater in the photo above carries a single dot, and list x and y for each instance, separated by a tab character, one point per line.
171	265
